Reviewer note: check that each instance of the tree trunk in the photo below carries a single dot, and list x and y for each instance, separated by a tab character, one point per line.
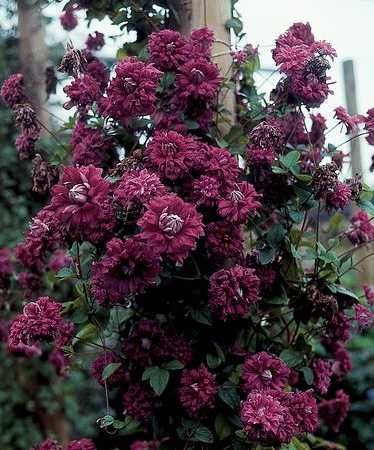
33	55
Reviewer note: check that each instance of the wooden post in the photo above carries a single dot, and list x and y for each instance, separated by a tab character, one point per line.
33	55
364	268
212	14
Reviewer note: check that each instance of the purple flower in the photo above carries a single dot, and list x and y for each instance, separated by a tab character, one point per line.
340	197
363	316
232	291
91	146
224	240
369	126
128	268
198	79
40	321
81	203
96	41
132	92
81	444
323	370
206	191
240	201
83	92
137	188
264	371
334	411
350	122
168	49
172	225
361	229
5	268
68	19
169	153
139	402
198	389
13	90
200	42
262	415
369	294
48	444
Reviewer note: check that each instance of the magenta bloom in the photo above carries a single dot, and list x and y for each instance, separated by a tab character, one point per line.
260	156
128	268
40	321
144	445
363	316
80	201
220	164
169	153
173	226
340	197
264	371
137	188
139	402
168	49
132	92
25	144
13	90
224	240
303	409
335	410
200	42
350	122
95	41
232	291
338	328
239	203
90	146
43	236
262	416
323	370
68	19
198	79
81	444
99	364
149	344
342	364
5	267
361	229
48	444
369	294
83	92
206	191
369	126
58	260
198	389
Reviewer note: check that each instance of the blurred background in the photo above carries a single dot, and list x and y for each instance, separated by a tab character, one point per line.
347	24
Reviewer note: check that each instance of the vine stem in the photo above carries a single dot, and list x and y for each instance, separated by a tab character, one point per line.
351	139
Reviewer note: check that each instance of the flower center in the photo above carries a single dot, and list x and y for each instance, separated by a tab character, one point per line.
236	196
129	85
170	46
267	375
197	76
79	193
170	223
169	147
146	343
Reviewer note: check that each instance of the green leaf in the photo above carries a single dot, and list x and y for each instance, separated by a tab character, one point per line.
86	333
228	394
366	206
222	427
202	434
290	160
308	375
105	421
235	24
110	369
291	357
191	124
148	372
266	256
275	235
159	380
338	288
66	273
276	169
173	365
202	316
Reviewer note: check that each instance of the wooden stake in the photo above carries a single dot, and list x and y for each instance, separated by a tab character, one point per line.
365	272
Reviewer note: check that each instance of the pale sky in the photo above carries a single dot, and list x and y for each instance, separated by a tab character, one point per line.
347	24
